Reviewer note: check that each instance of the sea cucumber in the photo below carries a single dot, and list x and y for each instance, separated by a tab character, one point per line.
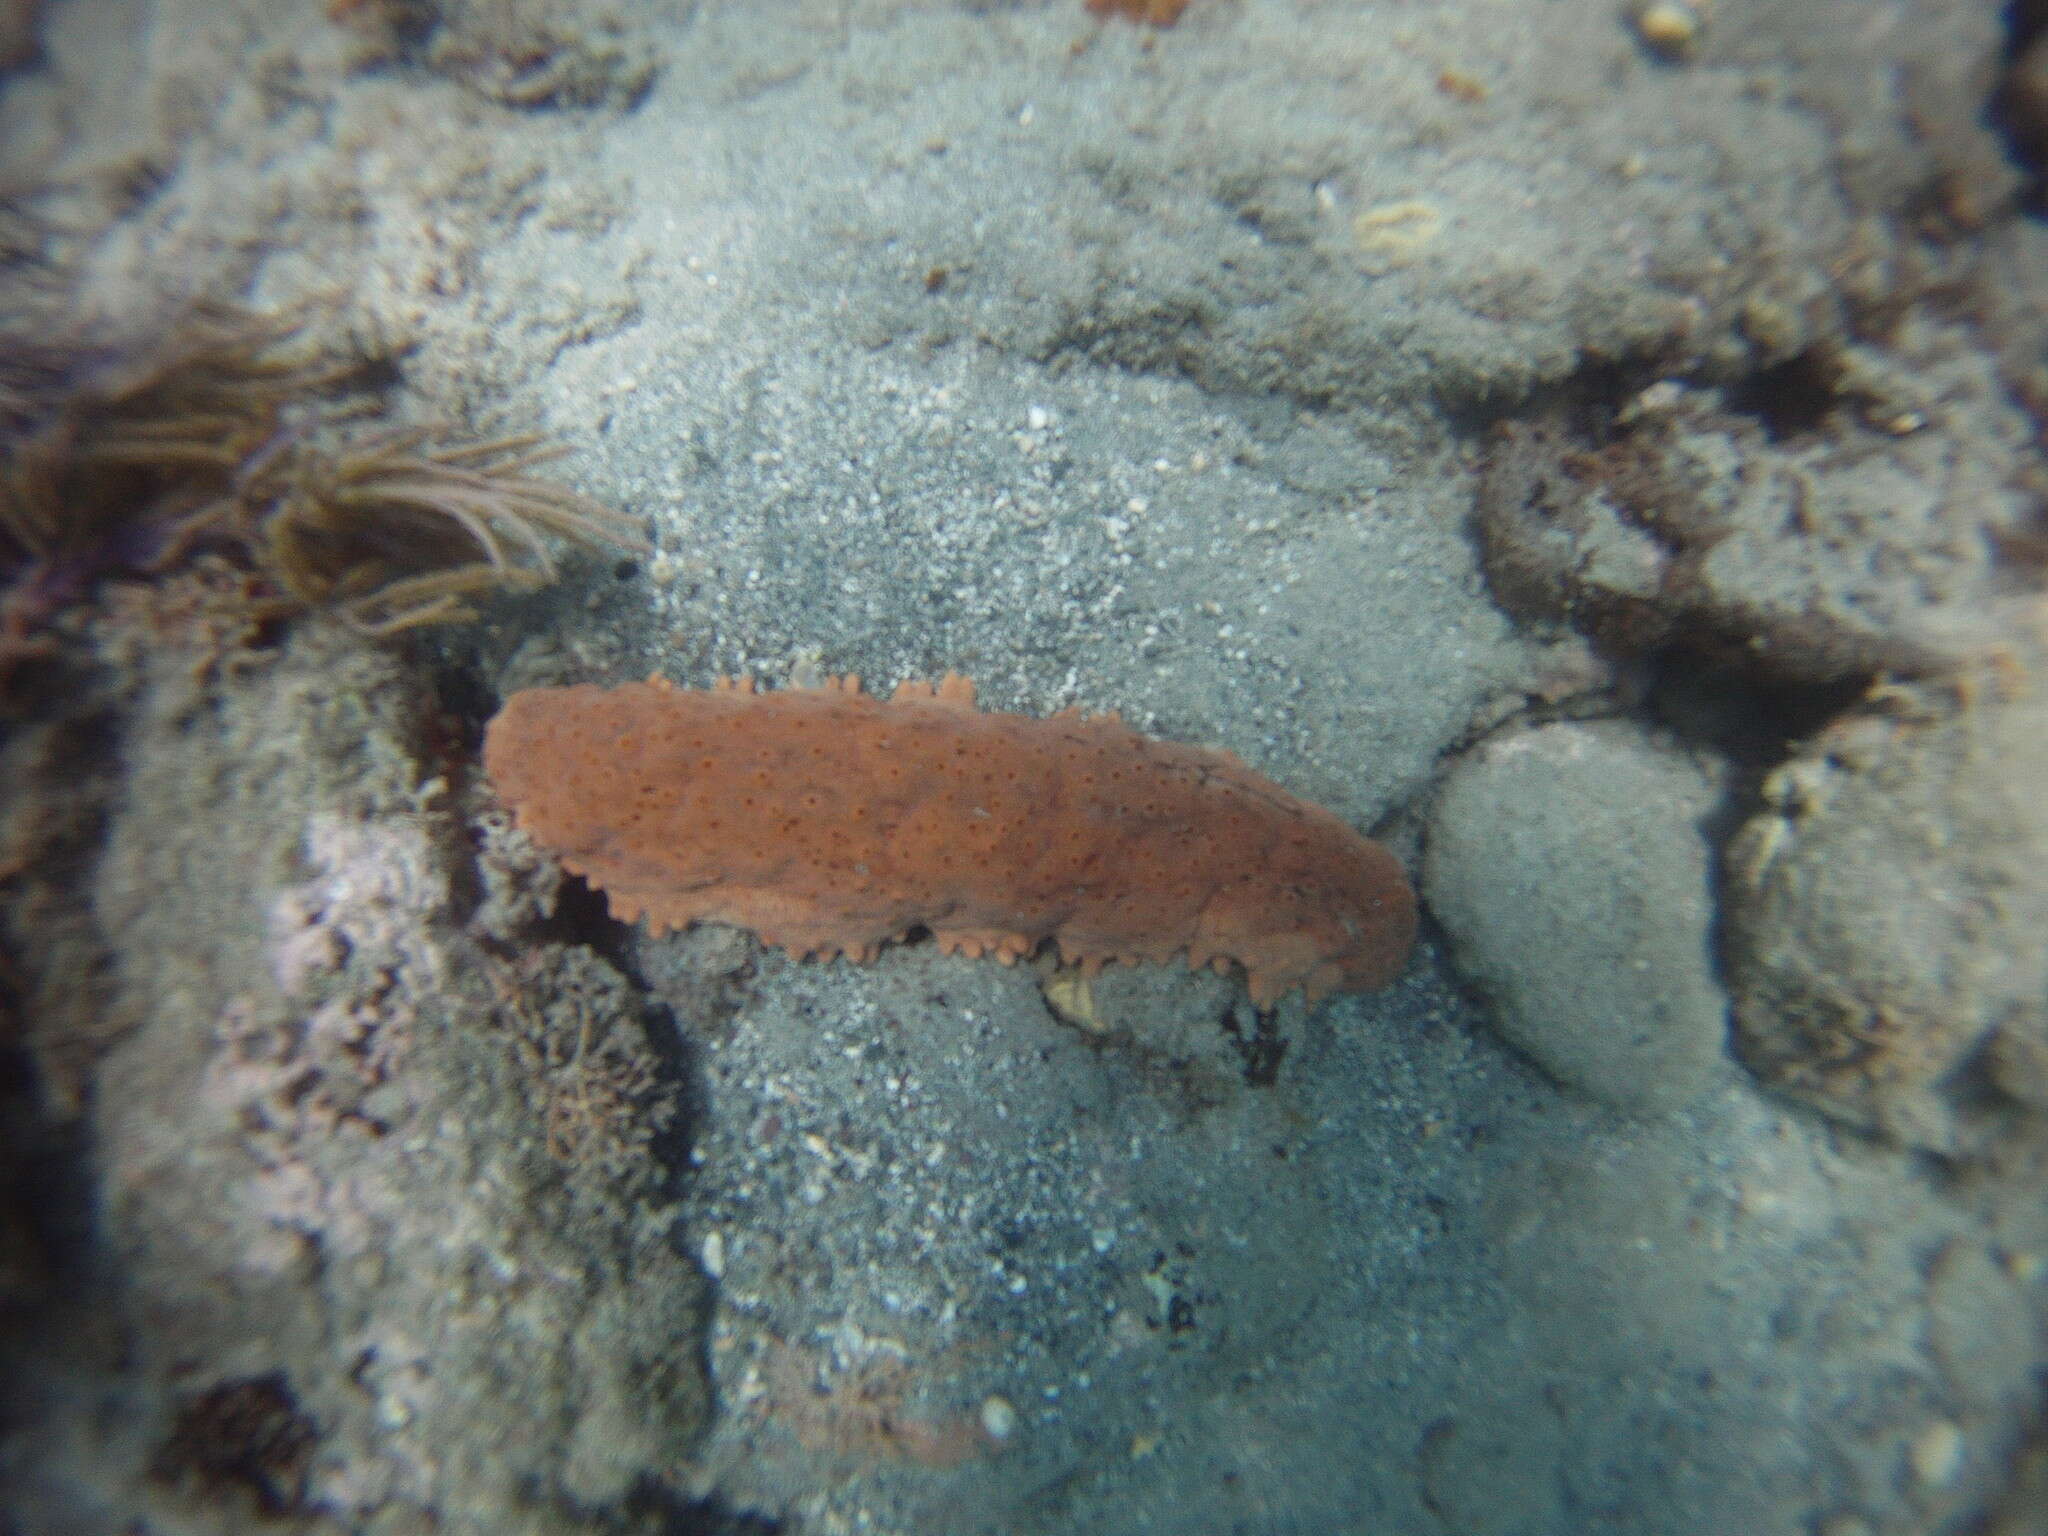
1158	13
830	822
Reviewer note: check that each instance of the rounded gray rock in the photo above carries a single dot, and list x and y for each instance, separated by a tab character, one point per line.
1568	866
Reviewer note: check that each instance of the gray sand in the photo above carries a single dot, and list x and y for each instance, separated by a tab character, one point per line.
1157	371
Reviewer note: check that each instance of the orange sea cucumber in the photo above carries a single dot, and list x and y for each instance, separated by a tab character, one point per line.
1159	13
829	822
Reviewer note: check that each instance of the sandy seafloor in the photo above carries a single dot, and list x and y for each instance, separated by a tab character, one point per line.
1177	372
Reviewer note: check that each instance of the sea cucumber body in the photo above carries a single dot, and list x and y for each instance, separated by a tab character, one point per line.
829	822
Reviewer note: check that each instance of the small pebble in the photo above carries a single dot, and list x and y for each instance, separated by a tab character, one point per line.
1937	1454
998	1418
1669	28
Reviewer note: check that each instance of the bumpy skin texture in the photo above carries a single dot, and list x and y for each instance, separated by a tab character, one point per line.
829	822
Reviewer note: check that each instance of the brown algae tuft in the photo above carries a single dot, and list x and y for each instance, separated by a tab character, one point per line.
390	533
226	437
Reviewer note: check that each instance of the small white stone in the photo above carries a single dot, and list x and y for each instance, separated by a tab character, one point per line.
1038	418
998	1418
712	1254
1937	1454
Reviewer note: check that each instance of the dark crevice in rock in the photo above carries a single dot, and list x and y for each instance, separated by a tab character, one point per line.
2019	103
1793	397
1751	718
671	1514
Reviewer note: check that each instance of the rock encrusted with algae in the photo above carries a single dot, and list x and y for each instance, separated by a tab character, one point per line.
1886	912
379	1240
1838	517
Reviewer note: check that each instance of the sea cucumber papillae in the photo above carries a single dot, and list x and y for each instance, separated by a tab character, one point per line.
829	821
